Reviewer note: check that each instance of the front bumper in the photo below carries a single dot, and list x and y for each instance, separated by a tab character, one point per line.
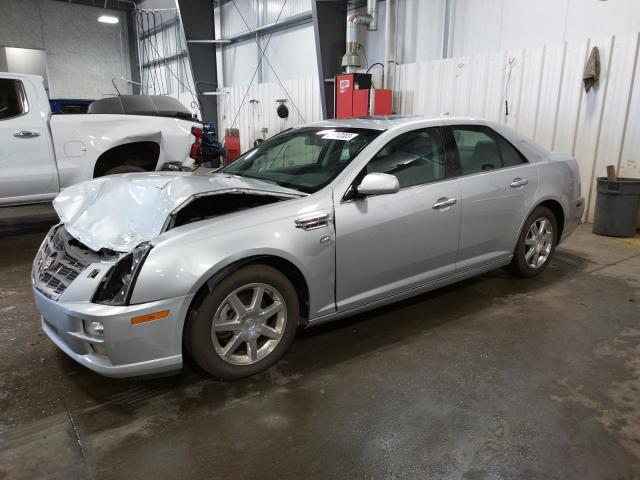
125	350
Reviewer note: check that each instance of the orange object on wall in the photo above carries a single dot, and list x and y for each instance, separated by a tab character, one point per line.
232	144
352	95
360	103
382	101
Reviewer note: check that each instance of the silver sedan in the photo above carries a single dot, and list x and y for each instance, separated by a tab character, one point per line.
319	222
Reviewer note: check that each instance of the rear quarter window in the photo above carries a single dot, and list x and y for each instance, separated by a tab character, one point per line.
510	155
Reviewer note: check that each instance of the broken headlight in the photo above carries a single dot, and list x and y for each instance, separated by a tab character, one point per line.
117	285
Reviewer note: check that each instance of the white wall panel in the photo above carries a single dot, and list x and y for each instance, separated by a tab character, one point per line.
239	61
570	93
590	119
549	96
448	90
432	87
546	99
291	8
461	70
616	102
494	99
231	20
477	73
419	27
629	161
480	26
252	117
292	53
527	119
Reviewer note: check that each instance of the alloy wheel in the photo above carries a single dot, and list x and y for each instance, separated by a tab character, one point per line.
249	324
538	243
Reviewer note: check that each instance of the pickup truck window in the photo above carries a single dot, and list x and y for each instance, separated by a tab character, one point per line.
13	101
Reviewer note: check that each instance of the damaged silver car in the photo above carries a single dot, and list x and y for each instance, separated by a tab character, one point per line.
319	222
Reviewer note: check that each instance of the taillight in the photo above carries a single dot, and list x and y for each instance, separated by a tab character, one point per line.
195	147
196	132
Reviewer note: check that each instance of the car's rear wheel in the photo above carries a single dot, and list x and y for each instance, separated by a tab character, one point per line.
536	244
245	325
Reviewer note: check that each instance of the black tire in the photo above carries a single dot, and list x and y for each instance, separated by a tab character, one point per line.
198	331
124	169
519	265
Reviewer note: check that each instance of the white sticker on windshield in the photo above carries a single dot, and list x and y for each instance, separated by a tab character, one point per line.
346	136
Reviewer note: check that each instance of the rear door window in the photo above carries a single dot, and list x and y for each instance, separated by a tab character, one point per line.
13	101
480	149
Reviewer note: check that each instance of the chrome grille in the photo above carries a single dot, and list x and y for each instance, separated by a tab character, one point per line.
58	263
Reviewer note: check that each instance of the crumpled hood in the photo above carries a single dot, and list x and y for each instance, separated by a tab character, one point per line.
120	211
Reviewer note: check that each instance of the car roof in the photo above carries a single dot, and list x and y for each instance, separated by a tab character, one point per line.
384	122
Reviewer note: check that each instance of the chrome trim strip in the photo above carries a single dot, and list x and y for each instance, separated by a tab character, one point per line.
313	221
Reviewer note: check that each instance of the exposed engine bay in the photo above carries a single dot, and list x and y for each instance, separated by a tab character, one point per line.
209	206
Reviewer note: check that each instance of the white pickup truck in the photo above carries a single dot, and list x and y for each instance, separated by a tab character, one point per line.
40	153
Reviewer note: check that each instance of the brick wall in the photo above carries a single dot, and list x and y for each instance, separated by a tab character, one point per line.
82	54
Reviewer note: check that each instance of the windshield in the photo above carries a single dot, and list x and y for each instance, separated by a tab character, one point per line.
304	159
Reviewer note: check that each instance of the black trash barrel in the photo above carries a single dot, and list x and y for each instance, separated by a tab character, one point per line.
617	205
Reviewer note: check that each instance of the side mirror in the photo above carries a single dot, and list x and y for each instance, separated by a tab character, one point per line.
378	184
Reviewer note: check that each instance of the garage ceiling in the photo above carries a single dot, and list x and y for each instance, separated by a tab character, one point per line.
110	4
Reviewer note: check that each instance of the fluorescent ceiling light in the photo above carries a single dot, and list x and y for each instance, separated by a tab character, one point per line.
108	19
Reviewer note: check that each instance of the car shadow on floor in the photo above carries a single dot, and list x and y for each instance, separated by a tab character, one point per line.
319	348
27	219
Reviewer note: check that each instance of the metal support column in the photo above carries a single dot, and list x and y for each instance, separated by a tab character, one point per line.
132	39
329	25
198	24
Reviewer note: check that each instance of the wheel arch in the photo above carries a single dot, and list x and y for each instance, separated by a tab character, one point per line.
556	208
284	266
144	154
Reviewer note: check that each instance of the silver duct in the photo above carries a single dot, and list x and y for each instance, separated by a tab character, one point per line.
372	9
351	58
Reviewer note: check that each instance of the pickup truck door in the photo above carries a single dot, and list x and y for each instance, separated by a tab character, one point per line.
27	163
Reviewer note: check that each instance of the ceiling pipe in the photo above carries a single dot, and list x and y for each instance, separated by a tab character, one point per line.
372	9
389	44
351	58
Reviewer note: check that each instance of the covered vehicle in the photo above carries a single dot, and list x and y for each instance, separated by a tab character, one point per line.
320	222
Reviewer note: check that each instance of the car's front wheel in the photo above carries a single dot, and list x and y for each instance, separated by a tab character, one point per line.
536	244
245	325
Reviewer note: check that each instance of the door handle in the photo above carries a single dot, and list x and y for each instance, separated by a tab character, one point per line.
444	202
26	134
518	182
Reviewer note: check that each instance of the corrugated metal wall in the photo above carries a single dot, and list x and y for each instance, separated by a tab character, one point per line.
257	13
252	117
481	26
546	100
291	52
542	85
160	43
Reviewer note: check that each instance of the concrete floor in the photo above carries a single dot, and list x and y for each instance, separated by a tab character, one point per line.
491	378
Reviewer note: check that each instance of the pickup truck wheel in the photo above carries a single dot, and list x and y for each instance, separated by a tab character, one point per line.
536	244
245	325
124	169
